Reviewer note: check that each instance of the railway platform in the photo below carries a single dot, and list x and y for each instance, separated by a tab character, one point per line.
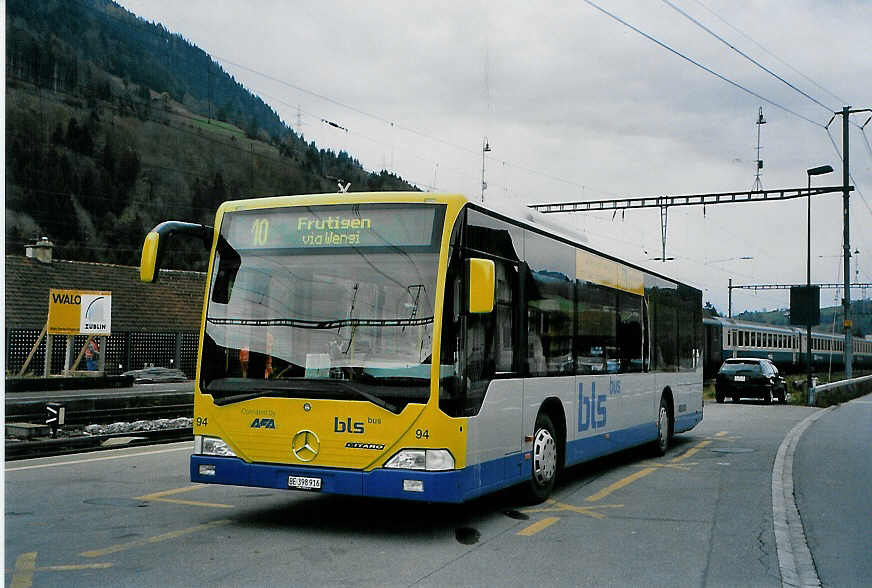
28	434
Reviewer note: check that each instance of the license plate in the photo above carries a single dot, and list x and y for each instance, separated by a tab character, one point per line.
738	378
304	483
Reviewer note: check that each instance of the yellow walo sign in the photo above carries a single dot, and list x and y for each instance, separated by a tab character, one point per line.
79	312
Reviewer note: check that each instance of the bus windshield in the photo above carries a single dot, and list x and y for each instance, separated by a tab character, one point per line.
323	302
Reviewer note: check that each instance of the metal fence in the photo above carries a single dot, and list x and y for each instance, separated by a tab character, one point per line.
123	351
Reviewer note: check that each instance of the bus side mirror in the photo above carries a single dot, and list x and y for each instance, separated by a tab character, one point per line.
481	285
157	242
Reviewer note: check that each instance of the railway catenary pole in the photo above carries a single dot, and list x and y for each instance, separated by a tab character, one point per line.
846	227
730	296
846	233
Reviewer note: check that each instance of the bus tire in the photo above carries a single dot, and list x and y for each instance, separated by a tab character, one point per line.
544	459
664	425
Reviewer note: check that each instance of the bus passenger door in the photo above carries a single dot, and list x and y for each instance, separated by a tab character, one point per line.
494	394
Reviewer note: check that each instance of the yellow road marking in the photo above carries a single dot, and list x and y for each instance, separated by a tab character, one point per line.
591	511
643	472
162	493
538	526
156	539
74	567
161	497
691	451
684	467
25	565
619	484
76	461
193	503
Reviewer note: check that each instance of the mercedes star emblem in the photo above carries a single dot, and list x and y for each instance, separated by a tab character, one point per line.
306	445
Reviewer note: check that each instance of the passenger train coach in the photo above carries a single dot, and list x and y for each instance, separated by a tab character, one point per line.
784	345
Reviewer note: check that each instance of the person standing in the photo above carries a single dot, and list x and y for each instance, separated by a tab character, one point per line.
92	350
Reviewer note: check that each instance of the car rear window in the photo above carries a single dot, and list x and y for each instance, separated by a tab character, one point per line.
733	367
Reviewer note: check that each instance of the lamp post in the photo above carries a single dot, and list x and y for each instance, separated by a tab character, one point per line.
815	171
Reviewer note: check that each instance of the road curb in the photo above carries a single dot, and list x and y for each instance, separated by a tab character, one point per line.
794	558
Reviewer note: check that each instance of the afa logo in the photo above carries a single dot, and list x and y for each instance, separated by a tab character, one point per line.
263	424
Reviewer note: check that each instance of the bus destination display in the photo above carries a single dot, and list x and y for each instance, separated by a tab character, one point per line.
332	226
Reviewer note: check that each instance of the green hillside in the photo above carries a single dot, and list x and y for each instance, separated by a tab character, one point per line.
114	124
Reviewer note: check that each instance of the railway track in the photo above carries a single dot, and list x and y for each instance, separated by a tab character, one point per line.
82	409
45	447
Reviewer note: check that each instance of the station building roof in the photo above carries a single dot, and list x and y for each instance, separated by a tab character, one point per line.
174	303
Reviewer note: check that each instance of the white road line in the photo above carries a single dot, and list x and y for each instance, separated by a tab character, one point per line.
76	461
794	558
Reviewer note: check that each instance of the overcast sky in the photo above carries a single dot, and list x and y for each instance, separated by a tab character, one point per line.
576	106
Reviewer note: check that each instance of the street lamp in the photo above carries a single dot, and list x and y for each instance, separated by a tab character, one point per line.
815	171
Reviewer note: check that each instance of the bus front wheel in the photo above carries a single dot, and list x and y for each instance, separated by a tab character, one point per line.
544	460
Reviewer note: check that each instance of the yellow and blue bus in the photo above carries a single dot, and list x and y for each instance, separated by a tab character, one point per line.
425	347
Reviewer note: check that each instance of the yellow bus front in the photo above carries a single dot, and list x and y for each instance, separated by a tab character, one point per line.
319	364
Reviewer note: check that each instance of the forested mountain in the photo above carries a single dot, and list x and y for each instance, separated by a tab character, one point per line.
114	124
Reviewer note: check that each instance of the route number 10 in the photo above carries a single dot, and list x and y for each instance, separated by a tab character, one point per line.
260	231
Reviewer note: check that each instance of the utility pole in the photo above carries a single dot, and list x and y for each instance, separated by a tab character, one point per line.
485	148
758	185
846	234
730	305
846	226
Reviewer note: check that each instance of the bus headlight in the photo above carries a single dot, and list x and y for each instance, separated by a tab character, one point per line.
212	446
431	460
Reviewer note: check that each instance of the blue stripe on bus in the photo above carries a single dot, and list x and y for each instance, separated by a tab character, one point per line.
592	447
382	483
453	486
687	421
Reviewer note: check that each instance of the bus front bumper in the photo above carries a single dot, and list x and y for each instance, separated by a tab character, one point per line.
381	483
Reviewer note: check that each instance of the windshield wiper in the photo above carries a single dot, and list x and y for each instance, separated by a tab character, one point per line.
304	388
371	397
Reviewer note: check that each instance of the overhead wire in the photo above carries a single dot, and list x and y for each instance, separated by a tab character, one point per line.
745	55
396	125
700	65
770	53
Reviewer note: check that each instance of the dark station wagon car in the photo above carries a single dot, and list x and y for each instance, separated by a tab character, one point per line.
749	377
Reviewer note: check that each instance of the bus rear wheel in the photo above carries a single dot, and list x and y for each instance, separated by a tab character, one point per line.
544	460
664	425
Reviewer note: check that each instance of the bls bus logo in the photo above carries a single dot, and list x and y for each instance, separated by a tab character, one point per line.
591	409
347	426
263	424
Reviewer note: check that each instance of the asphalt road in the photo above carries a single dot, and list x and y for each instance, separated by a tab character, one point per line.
832	480
700	516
